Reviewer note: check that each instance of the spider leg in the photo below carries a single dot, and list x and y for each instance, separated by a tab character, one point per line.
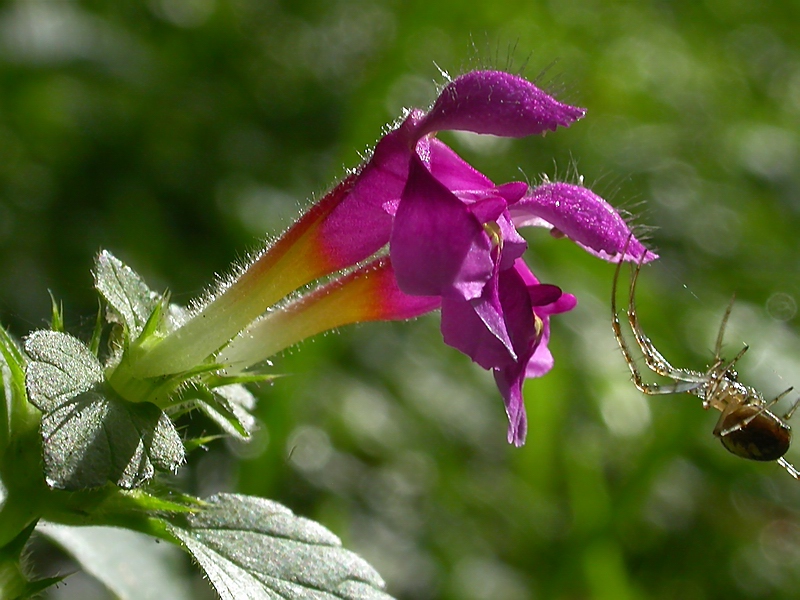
745	422
720	376
789	467
623	345
720	367
684	381
721	333
790	412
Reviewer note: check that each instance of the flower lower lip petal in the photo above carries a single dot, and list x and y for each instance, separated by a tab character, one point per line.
438	247
584	217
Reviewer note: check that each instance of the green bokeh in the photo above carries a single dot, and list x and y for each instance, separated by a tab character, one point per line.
177	133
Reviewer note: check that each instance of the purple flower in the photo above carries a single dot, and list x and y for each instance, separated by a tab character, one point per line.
454	236
452	239
460	243
452	232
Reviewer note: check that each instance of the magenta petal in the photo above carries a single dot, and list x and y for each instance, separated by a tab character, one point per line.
514	245
584	217
543	294
438	247
517	310
449	168
546	299
542	360
509	382
499	104
512	191
525	273
487	209
481	337
564	304
360	224
495	330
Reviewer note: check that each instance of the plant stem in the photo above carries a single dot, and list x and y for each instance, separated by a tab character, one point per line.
12	580
24	487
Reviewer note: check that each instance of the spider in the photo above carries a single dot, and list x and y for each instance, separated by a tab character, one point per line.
747	427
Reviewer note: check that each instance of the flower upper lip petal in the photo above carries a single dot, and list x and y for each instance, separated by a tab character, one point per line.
497	103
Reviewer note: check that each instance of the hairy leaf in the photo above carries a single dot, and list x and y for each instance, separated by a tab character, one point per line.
131	565
252	548
129	298
89	435
61	368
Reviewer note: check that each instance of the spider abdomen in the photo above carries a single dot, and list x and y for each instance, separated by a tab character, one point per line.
764	437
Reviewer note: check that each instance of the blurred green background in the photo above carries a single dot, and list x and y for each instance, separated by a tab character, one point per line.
178	133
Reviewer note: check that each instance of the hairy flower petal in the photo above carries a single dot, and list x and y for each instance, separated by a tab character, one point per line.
584	217
369	293
360	224
453	242
497	103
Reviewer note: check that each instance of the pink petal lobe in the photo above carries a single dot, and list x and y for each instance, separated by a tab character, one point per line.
495	330
512	191
360	225
584	217
437	246
514	245
479	333
452	170
497	103
509	383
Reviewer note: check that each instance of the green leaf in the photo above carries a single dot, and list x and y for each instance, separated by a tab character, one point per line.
57	312
97	332
131	565
130	300
90	440
61	368
12	384
89	435
14	584
229	407
14	359
254	548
